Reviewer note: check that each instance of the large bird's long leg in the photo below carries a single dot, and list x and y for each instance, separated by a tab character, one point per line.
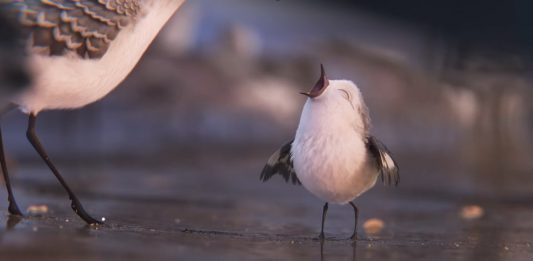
356	216
324	211
13	208
75	203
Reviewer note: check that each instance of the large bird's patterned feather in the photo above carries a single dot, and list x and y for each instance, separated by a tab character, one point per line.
281	163
83	27
387	167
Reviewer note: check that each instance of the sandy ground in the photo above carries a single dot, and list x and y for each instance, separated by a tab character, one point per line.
213	207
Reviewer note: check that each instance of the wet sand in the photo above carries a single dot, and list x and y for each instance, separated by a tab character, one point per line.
215	208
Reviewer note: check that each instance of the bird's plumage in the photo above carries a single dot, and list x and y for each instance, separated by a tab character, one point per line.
281	163
84	27
385	164
80	50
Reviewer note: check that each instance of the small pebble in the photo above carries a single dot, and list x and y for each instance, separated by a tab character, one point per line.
35	229
177	220
373	226
506	248
66	220
103	219
471	212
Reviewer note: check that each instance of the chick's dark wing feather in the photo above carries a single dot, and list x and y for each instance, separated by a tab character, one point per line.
387	167
281	163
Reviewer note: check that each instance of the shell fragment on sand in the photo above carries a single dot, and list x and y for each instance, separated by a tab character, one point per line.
36	210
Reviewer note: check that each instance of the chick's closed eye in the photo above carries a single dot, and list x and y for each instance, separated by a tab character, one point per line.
347	95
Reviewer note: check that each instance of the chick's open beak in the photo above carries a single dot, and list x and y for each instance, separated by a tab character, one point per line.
320	86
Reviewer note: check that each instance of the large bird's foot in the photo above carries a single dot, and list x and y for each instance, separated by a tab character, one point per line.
80	211
354	237
14	209
321	237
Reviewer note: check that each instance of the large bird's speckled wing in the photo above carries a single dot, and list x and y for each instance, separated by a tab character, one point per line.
84	27
387	167
280	163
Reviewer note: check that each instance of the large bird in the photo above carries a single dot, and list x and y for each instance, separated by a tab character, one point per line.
77	52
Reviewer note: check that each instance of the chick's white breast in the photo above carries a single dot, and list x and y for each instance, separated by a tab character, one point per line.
330	156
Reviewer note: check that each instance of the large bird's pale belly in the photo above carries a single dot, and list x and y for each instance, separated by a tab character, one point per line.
67	83
335	169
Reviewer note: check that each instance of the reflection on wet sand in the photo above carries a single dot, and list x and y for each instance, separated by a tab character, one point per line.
12	221
353	247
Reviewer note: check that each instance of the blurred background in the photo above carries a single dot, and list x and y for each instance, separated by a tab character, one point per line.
448	85
444	89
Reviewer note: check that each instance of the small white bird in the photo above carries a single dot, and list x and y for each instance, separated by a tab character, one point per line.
78	51
333	155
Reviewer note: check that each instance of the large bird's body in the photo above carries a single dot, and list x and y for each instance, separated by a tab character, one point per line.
333	154
81	50
77	51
